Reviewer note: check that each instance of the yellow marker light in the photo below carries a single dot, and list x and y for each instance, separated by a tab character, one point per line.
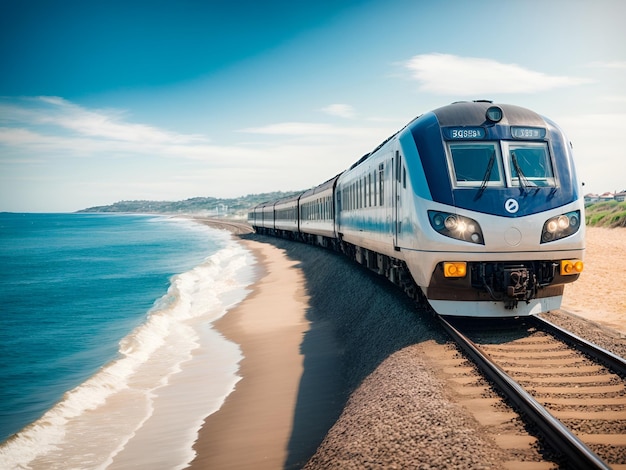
571	266
455	269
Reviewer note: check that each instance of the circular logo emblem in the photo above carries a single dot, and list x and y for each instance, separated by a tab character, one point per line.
511	206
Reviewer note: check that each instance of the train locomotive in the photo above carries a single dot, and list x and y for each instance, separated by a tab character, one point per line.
474	207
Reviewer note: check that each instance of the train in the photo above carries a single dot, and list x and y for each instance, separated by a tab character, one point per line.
474	207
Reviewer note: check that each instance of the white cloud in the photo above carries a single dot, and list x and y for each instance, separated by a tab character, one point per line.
309	129
105	124
340	110
53	128
613	64
615	99
450	74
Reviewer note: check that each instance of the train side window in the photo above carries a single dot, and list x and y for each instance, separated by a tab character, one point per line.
360	195
404	177
352	196
475	164
375	187
398	165
350	189
381	182
364	192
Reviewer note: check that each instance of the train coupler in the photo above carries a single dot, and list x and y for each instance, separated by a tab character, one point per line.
521	285
510	283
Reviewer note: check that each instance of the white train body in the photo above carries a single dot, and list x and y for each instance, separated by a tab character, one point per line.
479	203
317	213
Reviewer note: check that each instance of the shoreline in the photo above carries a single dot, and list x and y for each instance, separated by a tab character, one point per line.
254	426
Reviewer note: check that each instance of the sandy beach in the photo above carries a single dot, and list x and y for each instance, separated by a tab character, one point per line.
598	295
309	345
259	426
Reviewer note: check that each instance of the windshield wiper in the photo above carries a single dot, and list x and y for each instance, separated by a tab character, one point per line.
523	181
487	176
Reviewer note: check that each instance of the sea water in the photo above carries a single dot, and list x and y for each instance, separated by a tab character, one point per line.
108	357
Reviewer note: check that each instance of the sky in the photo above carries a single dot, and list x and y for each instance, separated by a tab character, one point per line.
104	101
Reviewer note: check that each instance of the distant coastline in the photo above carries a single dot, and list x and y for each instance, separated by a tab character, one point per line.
204	206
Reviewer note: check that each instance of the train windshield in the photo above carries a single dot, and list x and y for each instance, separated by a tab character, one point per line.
487	164
530	164
476	164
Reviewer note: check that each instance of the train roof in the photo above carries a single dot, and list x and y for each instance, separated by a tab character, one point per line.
287	199
326	184
474	113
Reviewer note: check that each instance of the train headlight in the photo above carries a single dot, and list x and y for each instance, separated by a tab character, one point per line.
450	223
456	226
560	226
494	114
552	226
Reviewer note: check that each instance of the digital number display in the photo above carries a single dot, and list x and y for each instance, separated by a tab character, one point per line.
464	133
528	132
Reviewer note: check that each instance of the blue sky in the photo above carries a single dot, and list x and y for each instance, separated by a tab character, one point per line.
102	101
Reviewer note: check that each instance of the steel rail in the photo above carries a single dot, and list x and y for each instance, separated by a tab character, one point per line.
612	361
557	434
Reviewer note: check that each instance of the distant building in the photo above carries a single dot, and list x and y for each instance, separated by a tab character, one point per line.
606	197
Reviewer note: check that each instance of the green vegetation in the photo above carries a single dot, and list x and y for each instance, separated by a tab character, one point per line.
210	206
606	214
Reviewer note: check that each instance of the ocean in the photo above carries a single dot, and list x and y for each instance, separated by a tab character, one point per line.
108	357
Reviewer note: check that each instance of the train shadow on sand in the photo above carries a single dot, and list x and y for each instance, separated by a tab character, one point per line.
357	320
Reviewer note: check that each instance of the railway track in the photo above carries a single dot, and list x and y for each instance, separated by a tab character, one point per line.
573	392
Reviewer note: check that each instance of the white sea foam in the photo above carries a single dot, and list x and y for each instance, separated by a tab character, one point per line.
173	371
